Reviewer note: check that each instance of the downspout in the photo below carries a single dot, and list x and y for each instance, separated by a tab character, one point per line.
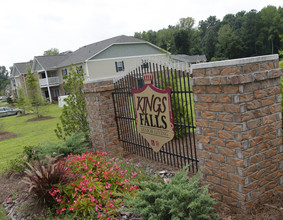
16	88
25	84
49	93
87	73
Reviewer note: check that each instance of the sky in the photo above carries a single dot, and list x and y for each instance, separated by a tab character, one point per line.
30	27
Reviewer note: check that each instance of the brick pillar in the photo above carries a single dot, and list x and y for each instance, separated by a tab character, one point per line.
239	128
101	116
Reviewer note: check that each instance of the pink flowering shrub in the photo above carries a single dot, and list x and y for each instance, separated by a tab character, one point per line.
99	188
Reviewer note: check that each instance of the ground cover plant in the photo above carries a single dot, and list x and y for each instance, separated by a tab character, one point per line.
75	144
175	199
29	133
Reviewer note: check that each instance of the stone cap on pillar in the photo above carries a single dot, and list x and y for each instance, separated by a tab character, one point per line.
237	71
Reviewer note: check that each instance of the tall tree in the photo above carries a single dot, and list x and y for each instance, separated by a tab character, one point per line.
250	32
52	51
182	43
184	36
229	44
165	39
270	19
208	31
241	35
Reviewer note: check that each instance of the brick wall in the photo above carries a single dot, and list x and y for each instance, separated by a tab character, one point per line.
101	116
239	128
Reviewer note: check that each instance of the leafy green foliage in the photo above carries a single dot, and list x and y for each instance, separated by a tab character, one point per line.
34	92
52	51
9	100
176	199
41	178
74	117
182	103
72	145
4	79
99	187
238	35
3	213
18	164
22	101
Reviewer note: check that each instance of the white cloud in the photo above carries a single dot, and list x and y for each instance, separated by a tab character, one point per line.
28	28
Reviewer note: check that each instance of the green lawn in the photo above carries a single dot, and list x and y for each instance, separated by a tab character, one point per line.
30	133
281	63
2	213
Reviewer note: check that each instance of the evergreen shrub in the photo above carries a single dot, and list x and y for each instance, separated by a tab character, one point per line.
176	199
72	145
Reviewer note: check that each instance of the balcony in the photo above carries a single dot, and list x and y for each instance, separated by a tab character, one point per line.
52	81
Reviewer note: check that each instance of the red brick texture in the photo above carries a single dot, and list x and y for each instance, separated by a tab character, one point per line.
239	130
102	117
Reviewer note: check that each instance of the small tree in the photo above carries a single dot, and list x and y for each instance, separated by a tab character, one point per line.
74	115
34	92
23	101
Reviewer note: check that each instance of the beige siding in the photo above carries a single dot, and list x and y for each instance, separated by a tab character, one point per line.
99	69
59	71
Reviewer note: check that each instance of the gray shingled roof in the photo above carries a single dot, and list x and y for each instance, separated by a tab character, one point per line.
88	51
189	59
22	67
52	61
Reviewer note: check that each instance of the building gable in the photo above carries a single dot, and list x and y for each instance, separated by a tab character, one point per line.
15	71
36	66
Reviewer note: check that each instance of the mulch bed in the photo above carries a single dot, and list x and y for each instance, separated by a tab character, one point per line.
40	118
270	209
6	135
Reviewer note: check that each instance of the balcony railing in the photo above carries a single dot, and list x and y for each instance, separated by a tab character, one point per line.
52	81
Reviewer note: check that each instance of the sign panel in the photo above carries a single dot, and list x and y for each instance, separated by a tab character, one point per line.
153	112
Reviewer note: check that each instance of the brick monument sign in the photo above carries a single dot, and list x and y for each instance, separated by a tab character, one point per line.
239	128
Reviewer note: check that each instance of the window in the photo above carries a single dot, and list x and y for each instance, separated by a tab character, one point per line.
64	72
53	74
119	66
144	64
79	69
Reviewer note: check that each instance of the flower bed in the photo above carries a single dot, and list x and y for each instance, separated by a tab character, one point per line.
99	187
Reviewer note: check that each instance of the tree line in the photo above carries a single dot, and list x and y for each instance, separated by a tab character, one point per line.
238	35
4	79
